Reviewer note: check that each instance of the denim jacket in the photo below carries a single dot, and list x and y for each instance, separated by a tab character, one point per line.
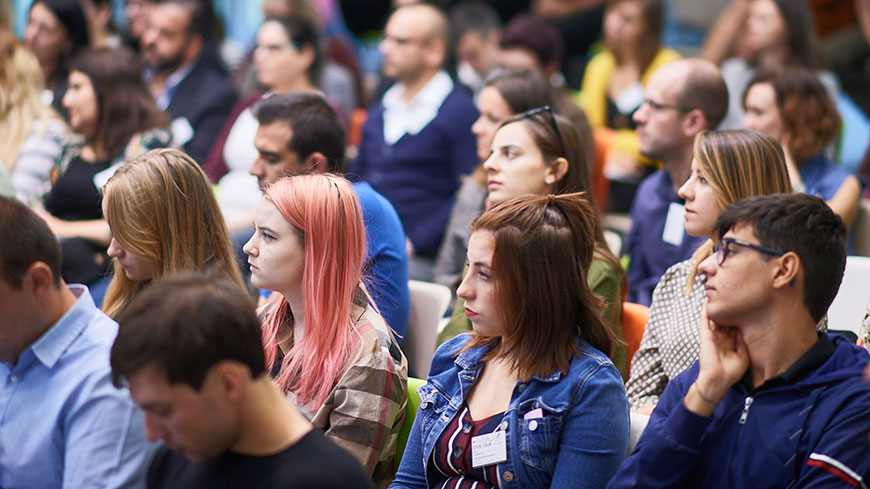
579	441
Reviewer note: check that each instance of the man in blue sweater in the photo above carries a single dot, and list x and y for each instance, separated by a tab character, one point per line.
771	402
301	133
417	140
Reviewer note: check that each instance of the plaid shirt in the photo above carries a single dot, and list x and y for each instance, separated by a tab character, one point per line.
365	410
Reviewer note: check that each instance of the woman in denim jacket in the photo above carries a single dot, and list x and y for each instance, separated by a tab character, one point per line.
528	399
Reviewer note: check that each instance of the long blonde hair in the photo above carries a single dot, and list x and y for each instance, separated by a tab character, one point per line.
160	206
20	97
737	164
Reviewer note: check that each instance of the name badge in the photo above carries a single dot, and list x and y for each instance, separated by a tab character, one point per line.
488	449
675	224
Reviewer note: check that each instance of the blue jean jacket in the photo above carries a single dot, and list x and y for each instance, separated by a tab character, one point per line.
578	442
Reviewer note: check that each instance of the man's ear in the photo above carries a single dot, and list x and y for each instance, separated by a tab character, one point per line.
788	271
694	122
39	278
231	378
193	48
316	163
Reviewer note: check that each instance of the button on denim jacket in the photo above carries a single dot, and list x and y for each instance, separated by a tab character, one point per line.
578	441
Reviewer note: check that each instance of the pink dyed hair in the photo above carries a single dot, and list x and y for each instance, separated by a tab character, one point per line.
324	208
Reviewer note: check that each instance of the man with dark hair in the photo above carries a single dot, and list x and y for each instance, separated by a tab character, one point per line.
683	98
61	422
301	133
417	139
771	402
178	48
189	348
475	30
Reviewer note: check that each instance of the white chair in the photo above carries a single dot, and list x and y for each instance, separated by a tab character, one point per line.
614	242
847	310
429	301
638	424
861	229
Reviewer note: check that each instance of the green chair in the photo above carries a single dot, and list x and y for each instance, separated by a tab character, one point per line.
410	413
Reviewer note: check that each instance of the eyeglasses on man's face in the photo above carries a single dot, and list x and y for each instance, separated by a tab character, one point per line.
725	249
660	107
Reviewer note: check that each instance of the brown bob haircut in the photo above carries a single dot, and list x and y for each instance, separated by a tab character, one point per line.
124	104
543	250
807	112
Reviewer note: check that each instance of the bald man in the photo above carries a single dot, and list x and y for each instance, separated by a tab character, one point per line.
417	140
682	98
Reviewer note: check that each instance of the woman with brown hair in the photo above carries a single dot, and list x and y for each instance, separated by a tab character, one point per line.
530	382
539	153
792	106
116	118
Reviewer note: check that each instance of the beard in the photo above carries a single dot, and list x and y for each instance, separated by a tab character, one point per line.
165	65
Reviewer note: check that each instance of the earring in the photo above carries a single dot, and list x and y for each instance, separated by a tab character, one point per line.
548	180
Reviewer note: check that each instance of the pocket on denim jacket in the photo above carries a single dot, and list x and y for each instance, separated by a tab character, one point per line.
432	403
539	437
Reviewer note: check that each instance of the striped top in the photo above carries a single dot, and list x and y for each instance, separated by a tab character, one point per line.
451	456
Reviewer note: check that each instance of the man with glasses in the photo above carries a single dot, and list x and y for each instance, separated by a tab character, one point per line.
771	402
683	98
417	140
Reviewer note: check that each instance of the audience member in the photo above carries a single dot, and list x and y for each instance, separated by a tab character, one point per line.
727	166
99	16
537	153
475	31
533	43
792	106
327	348
682	98
764	33
614	81
189	349
417	140
580	24
31	134
164	220
62	425
771	402
136	12
506	92
183	73
301	133
116	118
287	59
532	368
56	32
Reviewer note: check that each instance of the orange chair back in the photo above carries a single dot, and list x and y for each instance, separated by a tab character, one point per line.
634	317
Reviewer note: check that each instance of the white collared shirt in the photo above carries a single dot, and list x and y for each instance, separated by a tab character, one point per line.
402	118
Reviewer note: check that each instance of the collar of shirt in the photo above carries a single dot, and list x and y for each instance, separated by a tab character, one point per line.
402	118
811	360
165	98
50	346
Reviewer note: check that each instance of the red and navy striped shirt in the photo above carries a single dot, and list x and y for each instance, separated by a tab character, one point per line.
451	457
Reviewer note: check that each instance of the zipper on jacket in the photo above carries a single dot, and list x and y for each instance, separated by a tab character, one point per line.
746	404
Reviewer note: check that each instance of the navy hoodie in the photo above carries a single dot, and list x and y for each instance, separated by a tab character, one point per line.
811	432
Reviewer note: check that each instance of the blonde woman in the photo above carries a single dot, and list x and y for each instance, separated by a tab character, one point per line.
728	166
32	135
164	220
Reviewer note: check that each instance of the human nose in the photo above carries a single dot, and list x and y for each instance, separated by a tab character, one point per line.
490	164
249	247
465	291
154	430
685	190
115	250
641	114
709	264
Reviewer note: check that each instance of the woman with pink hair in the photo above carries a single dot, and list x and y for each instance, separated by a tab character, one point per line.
326	345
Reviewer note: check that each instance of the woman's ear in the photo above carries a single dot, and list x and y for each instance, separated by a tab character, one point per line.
557	170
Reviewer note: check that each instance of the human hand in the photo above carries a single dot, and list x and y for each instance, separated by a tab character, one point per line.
723	361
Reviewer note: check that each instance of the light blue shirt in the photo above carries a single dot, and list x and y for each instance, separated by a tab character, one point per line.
62	422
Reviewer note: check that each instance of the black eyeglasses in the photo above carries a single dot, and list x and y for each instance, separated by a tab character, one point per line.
723	249
549	111
657	106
